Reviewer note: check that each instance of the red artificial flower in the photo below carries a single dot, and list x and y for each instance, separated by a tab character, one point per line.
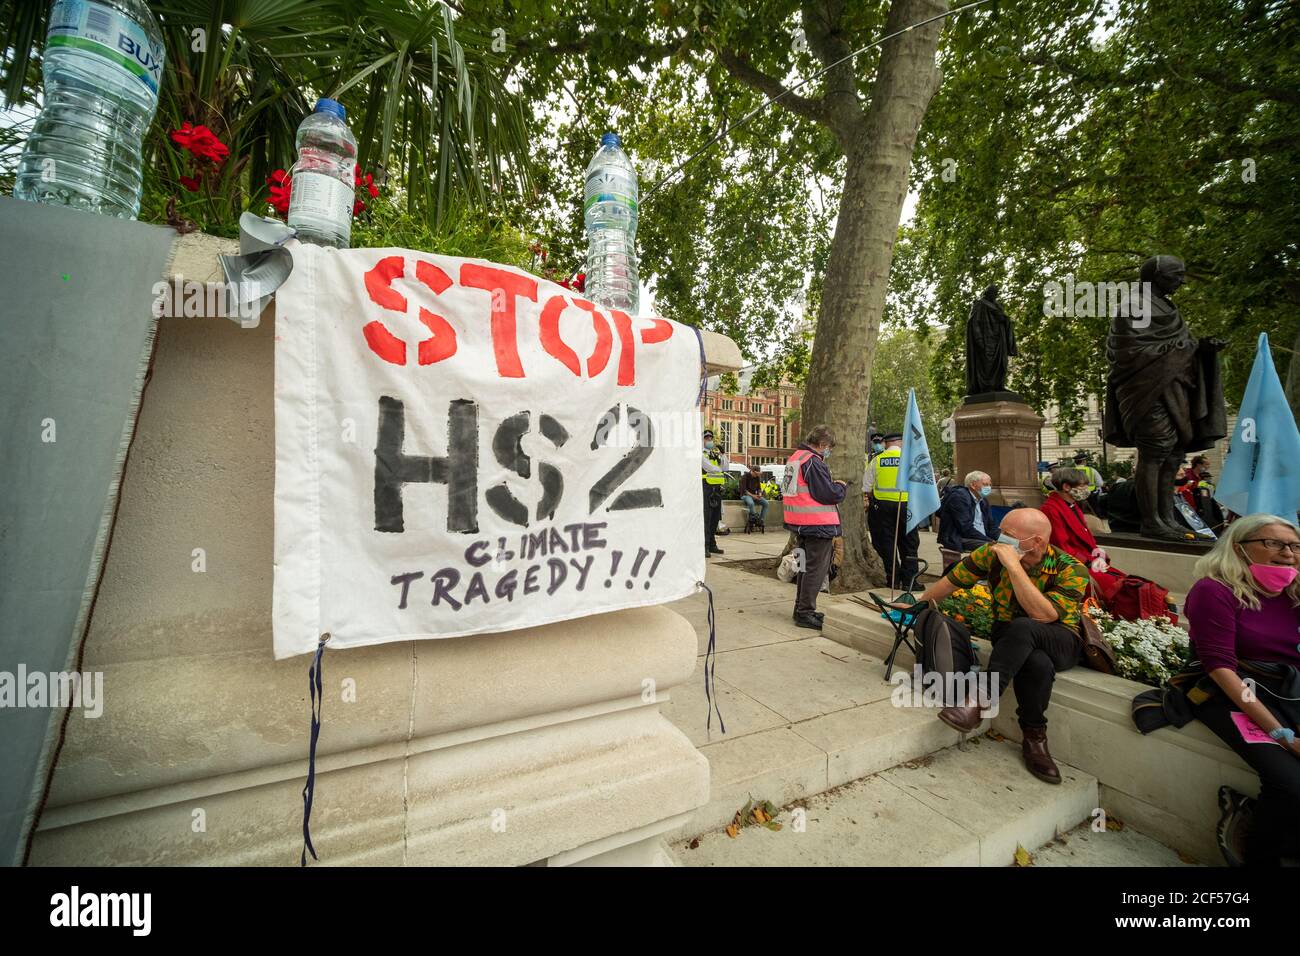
202	142
191	183
368	181
281	186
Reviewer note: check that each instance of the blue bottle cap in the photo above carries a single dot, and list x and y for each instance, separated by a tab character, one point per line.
333	107
610	139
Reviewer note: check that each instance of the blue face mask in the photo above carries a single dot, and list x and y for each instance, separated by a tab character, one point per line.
708	445
1014	542
826	454
877	447
986	491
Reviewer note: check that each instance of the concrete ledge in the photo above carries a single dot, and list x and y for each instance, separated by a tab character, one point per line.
1167	782
733	515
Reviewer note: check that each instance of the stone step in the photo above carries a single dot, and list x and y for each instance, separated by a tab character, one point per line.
830	719
952	808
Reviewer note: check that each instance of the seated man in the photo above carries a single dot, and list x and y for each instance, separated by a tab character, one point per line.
1038	594
965	519
751	493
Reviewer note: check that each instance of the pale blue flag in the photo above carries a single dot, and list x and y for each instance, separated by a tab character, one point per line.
1262	471
915	473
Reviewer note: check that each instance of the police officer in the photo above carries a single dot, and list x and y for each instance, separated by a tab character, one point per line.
713	477
888	513
875	445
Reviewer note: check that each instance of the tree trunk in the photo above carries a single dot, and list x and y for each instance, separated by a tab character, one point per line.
879	154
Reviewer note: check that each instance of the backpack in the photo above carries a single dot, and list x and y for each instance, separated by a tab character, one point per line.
946	649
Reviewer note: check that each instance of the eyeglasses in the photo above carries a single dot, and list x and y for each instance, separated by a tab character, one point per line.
1276	546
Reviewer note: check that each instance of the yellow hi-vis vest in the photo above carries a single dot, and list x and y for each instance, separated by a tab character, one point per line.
715	478
884	471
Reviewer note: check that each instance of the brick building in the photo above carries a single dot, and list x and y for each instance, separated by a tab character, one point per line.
753	426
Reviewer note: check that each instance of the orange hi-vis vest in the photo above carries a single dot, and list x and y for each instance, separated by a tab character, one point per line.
799	506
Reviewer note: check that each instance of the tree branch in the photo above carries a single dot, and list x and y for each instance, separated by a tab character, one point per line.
820	24
740	68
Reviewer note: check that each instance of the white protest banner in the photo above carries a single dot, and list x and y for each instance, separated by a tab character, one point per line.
462	447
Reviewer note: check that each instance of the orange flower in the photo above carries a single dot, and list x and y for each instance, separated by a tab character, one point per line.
958	617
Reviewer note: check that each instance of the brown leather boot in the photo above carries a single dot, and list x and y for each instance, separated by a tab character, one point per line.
964	718
1037	758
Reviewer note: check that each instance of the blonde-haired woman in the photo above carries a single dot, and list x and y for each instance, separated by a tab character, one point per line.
1244	617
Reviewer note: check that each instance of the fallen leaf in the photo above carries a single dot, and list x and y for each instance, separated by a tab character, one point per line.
1114	823
1022	856
732	830
694	844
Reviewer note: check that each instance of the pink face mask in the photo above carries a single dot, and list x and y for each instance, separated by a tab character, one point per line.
1273	577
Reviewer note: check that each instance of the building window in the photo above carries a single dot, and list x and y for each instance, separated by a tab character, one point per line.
785	434
771	436
726	404
724	433
754	438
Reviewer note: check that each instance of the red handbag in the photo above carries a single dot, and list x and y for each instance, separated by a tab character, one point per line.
1138	598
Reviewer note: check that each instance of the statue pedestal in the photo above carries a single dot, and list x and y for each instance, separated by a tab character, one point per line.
1001	438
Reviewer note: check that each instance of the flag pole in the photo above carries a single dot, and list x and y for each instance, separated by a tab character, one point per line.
894	557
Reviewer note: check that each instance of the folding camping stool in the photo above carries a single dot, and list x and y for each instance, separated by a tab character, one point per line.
901	621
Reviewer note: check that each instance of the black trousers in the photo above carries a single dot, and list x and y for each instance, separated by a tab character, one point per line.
712	514
1275	828
817	554
885	517
1027	654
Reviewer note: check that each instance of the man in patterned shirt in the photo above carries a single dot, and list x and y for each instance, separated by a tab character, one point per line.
1038	594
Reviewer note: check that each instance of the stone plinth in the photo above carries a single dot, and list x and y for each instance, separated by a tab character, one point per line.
543	745
1000	438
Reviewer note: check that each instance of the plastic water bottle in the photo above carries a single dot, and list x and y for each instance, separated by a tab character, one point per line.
102	69
610	215
324	177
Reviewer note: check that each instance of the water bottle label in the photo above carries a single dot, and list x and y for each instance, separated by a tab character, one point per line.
610	197
102	31
318	198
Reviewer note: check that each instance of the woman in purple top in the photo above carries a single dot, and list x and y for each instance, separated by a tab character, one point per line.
1245	606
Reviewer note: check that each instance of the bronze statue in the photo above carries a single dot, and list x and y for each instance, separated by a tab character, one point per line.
990	342
1164	395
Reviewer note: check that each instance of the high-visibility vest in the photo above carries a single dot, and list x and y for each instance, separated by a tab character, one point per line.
798	506
717	477
884	471
1094	479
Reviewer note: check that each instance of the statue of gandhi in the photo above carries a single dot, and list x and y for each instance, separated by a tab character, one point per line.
1164	395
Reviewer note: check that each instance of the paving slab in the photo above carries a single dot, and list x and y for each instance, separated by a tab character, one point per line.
953	808
1083	846
874	737
776	765
803	679
987	791
867	823
688	709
